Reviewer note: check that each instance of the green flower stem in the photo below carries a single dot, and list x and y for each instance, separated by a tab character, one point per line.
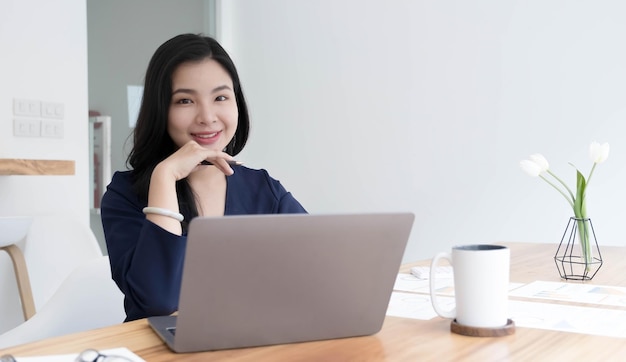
570	201
591	173
571	194
583	235
580	210
578	205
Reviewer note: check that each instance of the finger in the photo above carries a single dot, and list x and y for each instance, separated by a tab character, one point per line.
223	165
223	156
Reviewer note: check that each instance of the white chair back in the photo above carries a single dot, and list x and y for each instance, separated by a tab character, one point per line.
86	300
54	246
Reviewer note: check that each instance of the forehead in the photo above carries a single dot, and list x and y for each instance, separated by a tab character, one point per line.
203	72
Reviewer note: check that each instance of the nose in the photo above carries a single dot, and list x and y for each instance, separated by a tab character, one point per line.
206	114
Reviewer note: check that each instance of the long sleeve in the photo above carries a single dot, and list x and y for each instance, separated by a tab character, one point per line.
147	261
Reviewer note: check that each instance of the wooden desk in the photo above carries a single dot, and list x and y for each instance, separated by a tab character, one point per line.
399	340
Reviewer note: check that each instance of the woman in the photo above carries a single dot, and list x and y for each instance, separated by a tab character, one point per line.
192	121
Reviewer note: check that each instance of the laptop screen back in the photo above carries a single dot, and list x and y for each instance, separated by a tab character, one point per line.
273	279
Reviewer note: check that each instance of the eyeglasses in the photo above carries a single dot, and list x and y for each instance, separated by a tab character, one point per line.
88	355
91	355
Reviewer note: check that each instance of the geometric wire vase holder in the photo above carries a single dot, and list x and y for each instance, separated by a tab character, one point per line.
570	256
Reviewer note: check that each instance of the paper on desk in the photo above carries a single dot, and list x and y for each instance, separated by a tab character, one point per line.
567	318
573	292
409	283
550	316
415	306
123	352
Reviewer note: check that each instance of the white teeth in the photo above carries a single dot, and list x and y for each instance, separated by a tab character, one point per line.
206	135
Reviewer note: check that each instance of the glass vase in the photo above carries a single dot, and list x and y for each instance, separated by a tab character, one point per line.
578	255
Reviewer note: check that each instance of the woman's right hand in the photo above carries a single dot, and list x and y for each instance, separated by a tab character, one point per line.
187	160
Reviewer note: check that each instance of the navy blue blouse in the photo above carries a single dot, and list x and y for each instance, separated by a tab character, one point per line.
147	261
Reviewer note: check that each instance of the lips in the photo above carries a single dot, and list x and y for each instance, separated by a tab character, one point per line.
206	138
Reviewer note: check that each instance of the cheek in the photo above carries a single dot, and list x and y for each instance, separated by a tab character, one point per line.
233	117
176	128
175	120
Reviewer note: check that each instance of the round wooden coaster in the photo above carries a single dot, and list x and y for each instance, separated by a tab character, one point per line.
506	330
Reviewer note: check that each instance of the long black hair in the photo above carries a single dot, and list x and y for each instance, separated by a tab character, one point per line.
151	141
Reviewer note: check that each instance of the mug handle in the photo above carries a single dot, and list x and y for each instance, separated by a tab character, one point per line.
433	296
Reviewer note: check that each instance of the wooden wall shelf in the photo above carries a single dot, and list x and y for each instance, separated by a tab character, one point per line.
14	166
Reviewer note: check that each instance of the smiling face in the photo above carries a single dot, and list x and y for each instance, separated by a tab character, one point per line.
203	107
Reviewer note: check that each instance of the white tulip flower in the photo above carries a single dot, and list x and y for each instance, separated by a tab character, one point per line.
598	152
541	161
530	167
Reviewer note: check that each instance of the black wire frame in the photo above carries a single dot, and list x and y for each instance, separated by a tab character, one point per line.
571	264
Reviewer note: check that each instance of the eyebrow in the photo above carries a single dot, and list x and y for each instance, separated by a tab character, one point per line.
193	91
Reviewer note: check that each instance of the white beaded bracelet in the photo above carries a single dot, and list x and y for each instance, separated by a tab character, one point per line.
165	212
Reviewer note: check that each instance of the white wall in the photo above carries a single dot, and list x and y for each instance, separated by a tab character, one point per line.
428	106
43	57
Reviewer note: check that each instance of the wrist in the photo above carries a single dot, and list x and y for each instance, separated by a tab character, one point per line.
164	174
162	190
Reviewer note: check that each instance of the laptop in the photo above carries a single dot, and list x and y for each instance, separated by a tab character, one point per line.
260	280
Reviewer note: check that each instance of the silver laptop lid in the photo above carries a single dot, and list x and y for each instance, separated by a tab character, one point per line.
272	279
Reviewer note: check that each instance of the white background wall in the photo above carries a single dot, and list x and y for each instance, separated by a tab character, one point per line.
43	56
428	106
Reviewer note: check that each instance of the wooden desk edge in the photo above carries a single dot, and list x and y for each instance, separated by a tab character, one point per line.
133	333
24	167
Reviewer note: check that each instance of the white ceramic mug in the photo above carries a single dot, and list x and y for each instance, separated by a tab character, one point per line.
481	282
